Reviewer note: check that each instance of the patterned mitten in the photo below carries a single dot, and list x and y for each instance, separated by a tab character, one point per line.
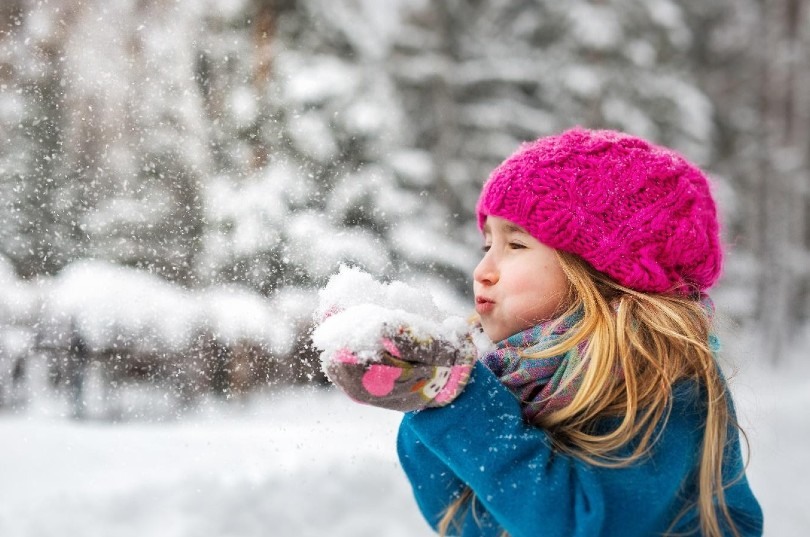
385	356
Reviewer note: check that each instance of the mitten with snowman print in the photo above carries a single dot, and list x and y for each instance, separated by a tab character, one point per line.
389	345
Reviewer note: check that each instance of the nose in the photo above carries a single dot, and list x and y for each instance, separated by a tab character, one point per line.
486	273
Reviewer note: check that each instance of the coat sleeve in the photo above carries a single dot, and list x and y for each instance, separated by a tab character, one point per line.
434	483
481	439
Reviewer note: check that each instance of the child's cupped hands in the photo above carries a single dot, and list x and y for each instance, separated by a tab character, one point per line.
389	345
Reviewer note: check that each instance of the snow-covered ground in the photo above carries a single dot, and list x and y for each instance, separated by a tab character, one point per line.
302	463
772	406
297	463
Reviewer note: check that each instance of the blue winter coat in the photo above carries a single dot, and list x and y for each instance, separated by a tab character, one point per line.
522	485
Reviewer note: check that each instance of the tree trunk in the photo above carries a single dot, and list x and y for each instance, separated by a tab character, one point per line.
783	165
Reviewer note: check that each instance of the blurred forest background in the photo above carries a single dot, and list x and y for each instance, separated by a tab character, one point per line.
178	178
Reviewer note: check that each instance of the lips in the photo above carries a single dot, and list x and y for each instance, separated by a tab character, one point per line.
483	305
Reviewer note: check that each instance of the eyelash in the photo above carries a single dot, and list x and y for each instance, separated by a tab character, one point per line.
513	245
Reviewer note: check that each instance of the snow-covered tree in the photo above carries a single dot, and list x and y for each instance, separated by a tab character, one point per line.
261	144
482	77
38	230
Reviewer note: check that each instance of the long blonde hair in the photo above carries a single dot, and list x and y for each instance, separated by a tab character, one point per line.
637	345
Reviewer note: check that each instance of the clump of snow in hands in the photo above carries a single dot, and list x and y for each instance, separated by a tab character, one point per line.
355	310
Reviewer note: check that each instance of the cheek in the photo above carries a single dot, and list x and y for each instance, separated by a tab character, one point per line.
540	297
531	283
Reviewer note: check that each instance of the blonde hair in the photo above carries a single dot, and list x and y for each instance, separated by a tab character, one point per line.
637	345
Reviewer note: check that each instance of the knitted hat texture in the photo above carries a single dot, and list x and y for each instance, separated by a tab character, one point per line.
638	212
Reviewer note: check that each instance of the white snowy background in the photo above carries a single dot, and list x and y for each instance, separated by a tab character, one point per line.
178	179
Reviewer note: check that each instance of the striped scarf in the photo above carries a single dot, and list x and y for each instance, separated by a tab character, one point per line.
543	385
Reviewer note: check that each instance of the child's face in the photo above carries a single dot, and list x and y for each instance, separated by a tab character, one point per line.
519	282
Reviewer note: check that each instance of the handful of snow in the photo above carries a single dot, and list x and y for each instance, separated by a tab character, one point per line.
357	313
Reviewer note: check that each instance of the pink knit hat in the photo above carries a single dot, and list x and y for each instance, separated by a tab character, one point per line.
638	212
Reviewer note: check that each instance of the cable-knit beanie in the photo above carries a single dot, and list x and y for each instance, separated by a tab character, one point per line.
638	212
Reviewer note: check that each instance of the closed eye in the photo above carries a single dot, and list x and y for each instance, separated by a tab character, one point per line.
516	245
486	248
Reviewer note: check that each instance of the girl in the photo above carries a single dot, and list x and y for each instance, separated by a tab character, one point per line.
601	409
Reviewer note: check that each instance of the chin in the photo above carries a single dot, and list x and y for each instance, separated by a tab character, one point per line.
499	333
496	336
489	333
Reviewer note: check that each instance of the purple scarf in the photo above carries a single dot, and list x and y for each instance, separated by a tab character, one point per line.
537	382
